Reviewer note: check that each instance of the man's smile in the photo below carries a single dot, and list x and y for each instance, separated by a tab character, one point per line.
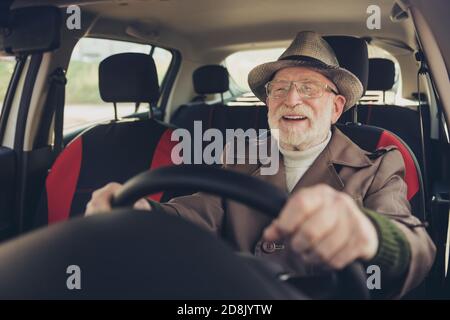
294	118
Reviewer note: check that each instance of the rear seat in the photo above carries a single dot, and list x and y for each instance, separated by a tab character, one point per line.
213	79
403	121
210	79
240	117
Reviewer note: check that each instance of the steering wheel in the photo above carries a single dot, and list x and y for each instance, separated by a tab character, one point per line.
245	189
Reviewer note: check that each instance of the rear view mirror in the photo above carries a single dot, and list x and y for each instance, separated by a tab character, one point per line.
32	29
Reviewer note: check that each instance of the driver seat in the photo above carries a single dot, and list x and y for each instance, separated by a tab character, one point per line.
113	151
352	54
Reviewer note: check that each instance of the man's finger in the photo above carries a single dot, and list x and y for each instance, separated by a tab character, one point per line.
330	245
298	208
286	224
142	204
313	230
345	256
101	198
96	207
273	232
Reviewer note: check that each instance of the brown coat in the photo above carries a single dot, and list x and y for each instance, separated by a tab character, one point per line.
376	184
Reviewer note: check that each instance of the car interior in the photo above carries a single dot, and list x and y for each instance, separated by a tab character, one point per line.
155	66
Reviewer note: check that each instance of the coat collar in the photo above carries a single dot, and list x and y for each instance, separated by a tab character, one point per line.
344	151
340	151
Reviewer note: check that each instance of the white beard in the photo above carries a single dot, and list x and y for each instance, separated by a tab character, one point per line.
290	138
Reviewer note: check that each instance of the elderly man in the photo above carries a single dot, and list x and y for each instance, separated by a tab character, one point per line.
345	205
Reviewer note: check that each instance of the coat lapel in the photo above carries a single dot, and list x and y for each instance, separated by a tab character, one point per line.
278	179
339	151
321	171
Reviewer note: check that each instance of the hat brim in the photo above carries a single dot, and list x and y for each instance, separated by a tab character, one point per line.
346	82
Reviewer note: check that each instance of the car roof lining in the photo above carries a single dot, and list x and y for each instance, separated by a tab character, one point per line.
214	24
209	34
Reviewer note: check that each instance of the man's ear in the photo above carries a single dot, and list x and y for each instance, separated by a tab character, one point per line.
338	108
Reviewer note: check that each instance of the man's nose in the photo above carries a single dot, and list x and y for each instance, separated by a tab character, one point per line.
293	98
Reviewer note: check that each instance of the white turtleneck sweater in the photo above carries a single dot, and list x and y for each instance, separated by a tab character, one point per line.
297	162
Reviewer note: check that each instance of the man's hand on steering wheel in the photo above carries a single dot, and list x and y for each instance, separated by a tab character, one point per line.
326	227
323	226
101	200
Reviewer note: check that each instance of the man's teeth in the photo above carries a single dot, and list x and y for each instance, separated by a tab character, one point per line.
294	117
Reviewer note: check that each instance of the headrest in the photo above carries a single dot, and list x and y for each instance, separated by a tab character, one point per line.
381	74
128	77
352	55
210	79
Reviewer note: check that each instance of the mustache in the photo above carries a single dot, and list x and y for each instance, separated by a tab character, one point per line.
302	110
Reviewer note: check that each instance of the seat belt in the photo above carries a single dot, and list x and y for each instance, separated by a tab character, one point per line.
422	71
355	113
55	98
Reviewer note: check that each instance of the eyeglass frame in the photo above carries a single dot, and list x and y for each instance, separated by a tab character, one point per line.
323	86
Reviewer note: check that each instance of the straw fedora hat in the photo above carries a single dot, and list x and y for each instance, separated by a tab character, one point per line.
308	49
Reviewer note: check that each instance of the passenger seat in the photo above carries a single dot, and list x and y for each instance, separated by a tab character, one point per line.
113	151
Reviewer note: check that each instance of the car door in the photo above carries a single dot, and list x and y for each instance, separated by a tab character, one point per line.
9	74
30	33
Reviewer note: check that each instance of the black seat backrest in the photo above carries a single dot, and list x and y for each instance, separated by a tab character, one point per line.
113	151
352	54
381	74
210	79
128	77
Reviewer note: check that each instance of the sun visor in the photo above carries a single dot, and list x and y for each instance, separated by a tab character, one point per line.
30	30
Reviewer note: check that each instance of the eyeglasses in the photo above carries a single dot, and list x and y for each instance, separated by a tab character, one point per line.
307	89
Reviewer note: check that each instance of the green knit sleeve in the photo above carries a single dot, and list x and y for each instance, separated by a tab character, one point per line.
394	253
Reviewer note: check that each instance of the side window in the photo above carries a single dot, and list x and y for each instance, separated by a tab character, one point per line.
162	58
83	105
6	70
